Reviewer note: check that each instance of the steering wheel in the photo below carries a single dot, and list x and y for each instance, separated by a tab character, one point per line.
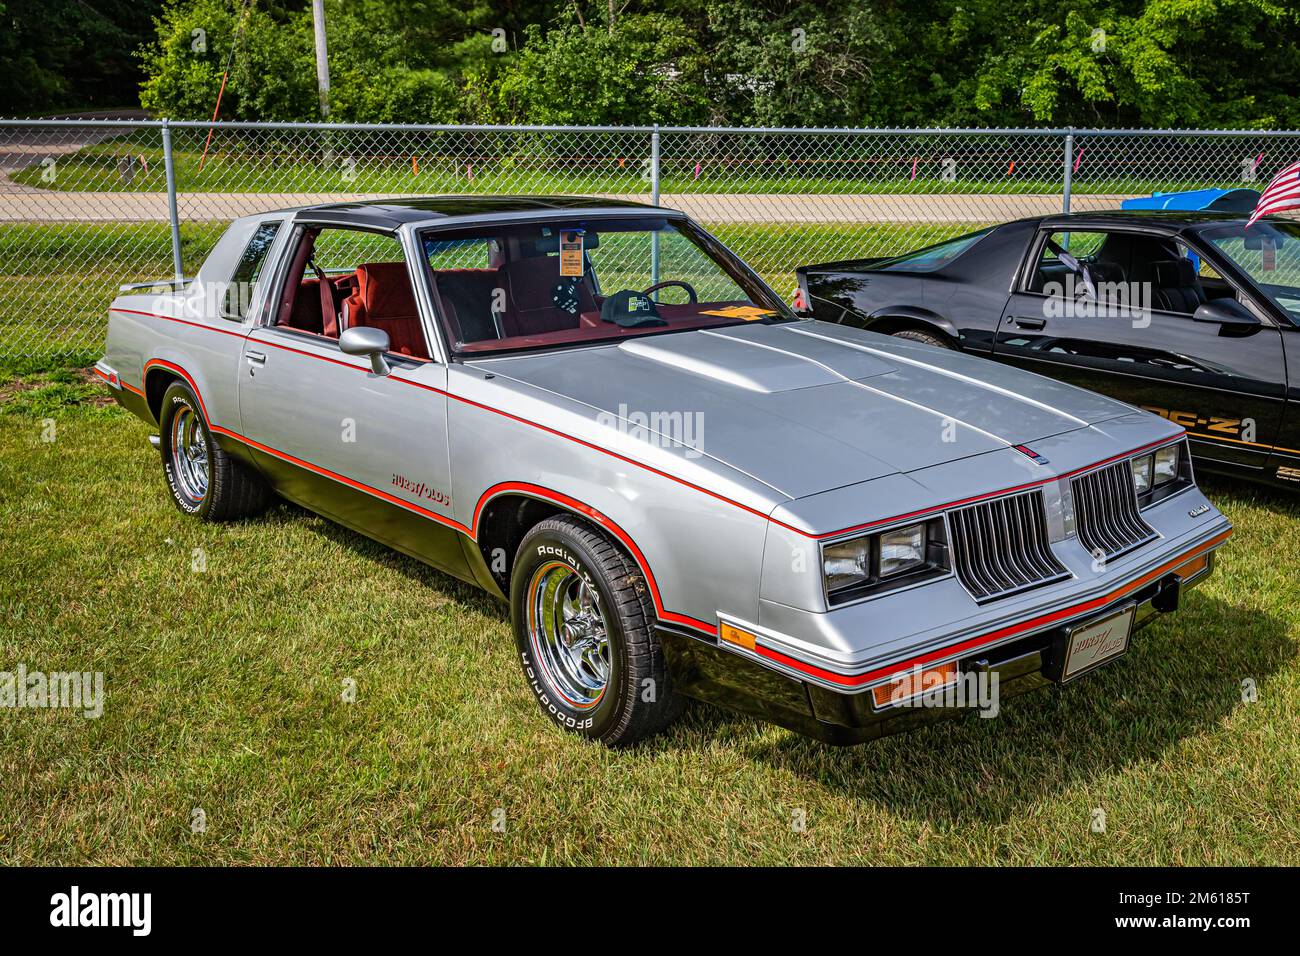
690	290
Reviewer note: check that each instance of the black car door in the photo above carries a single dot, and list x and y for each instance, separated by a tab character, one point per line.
1111	310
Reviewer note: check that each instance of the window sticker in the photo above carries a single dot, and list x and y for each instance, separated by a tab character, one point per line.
571	253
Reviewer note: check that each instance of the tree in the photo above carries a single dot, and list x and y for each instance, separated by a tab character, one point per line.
59	54
645	68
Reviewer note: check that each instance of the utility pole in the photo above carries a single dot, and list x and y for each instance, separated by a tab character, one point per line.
322	57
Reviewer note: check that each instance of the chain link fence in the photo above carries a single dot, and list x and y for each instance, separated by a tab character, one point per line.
87	205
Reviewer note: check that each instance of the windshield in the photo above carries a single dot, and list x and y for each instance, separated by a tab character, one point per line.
577	281
1268	252
932	257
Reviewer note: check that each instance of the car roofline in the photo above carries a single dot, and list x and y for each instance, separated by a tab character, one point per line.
392	214
442	223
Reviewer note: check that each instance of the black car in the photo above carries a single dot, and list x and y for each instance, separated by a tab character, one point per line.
1189	315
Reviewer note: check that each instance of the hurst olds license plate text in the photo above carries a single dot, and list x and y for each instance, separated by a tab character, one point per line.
1093	644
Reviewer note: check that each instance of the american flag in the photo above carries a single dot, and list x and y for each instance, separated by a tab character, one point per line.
1282	193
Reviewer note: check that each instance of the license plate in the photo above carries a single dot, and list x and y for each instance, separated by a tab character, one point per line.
1093	644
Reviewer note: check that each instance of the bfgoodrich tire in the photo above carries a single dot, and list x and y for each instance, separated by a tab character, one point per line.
204	481
584	629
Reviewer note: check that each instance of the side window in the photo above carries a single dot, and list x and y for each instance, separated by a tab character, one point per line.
350	278
243	282
1203	268
1058	262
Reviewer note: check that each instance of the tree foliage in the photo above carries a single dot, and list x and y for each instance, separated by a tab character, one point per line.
737	62
58	54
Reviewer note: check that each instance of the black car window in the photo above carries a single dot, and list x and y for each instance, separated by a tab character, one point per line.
1268	254
932	257
1061	259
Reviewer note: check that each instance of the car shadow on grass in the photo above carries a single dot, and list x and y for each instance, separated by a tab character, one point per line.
1182	677
445	585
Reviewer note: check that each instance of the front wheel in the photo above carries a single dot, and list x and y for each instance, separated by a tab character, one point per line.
204	480
584	630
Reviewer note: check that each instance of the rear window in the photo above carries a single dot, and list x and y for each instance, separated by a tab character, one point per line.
932	257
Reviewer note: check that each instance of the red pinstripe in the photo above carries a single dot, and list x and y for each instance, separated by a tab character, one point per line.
583	508
816	536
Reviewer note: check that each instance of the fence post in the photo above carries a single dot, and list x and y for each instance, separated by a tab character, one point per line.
654	199
1068	178
170	166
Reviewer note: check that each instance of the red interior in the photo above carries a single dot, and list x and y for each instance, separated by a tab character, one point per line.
384	300
591	328
379	295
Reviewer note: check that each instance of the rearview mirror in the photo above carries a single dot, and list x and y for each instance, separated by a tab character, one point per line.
368	341
1228	313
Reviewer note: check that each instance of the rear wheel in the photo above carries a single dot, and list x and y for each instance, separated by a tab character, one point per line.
920	335
204	480
584	630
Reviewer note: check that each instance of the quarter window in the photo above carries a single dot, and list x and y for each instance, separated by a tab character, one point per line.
239	293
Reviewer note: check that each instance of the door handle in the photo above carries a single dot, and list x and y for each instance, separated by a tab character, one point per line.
1027	323
255	358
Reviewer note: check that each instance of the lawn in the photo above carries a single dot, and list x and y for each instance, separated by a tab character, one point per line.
559	164
225	693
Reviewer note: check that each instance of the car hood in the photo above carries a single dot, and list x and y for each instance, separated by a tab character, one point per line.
806	407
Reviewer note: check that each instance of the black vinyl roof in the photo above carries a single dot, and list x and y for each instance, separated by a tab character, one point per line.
391	213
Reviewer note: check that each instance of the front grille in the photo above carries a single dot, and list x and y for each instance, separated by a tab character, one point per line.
1106	512
1000	547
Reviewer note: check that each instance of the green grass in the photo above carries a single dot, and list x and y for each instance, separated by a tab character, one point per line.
224	693
540	166
62	277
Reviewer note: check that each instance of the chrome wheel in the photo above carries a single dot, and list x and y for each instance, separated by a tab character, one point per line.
189	453
569	634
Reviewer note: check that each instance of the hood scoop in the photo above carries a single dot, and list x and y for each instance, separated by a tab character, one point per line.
764	359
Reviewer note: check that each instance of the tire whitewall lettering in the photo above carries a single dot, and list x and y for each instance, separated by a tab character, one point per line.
204	481
584	629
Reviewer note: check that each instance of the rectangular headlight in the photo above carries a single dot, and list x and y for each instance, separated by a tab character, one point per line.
1142	474
846	563
902	549
1166	466
872	563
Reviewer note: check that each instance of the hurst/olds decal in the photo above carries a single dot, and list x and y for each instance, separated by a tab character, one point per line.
420	490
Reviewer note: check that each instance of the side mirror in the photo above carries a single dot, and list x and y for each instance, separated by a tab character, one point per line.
1228	313
370	342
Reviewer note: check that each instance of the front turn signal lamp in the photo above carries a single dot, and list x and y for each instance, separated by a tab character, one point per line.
913	682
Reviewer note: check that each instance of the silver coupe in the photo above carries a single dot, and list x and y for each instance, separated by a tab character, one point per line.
595	411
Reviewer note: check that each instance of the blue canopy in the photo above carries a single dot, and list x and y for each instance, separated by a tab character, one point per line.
1198	200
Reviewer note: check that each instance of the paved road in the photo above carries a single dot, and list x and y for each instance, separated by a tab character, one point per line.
30	204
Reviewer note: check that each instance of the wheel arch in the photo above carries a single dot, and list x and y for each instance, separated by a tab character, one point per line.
507	512
157	379
901	317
